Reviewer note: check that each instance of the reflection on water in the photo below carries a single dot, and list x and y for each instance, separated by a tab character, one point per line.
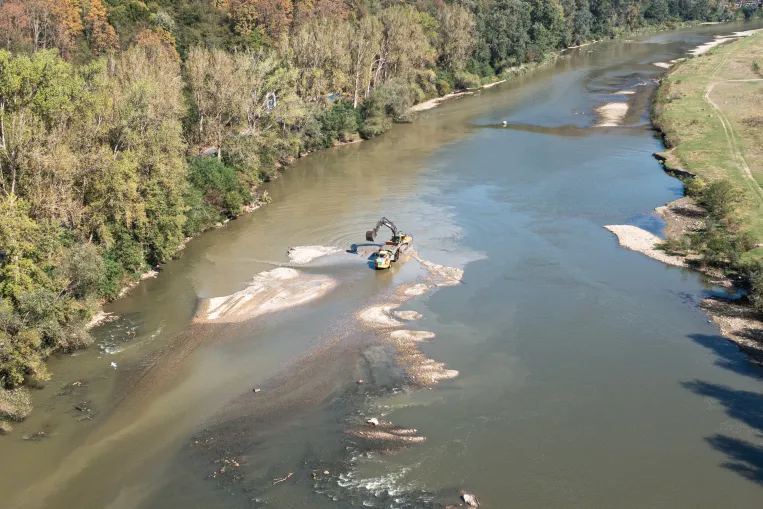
583	380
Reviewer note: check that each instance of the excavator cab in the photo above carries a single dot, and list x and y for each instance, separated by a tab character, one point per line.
383	259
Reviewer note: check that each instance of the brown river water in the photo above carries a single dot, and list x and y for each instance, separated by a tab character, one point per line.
558	371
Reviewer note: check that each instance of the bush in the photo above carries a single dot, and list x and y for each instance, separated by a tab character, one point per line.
393	99
15	405
200	214
339	122
466	80
694	187
83	267
374	126
443	87
219	184
719	198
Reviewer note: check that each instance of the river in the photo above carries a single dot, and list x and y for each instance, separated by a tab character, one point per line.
587	377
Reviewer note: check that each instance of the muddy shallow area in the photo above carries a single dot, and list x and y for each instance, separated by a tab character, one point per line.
519	353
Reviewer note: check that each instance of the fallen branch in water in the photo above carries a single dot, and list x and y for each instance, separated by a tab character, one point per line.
282	479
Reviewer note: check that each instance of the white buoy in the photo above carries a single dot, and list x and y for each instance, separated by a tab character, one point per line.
505	123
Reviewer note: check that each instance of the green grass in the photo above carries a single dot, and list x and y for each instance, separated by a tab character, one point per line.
694	130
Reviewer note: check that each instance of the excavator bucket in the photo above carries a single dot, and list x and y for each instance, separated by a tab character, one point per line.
370	235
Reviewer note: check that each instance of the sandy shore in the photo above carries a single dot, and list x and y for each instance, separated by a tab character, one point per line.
739	323
704	48
641	241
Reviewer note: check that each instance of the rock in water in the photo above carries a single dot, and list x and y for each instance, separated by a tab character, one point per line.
470	500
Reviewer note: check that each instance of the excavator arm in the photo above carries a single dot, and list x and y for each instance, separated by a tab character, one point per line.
371	234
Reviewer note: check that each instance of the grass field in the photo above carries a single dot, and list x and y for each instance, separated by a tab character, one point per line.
710	109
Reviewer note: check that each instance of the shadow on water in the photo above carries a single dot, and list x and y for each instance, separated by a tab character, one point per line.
744	457
728	356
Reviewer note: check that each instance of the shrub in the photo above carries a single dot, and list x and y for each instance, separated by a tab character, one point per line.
719	198
393	99
15	405
374	126
466	80
83	267
443	87
694	187
339	122
219	183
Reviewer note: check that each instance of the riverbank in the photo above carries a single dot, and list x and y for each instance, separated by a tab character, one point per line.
708	111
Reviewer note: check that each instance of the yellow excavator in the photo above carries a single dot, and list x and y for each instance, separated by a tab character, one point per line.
391	250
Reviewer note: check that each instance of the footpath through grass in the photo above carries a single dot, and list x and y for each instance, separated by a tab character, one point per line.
710	109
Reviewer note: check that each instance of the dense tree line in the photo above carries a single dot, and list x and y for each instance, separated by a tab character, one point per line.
105	106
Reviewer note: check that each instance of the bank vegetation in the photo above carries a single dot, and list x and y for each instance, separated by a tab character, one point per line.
710	111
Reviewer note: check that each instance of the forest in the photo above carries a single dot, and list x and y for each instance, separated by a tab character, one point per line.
129	126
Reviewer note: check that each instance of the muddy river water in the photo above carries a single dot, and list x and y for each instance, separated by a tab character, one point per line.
557	371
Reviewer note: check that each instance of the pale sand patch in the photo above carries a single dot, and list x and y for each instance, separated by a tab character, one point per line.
383	435
491	85
407	315
664	65
611	114
448	276
704	48
641	241
100	318
432	103
415	336
300	255
269	291
416	290
379	316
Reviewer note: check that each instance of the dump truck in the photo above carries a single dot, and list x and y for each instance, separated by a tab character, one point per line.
391	250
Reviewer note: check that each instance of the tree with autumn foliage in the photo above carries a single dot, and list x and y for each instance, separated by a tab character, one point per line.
101	35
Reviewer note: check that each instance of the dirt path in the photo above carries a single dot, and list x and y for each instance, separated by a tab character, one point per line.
728	131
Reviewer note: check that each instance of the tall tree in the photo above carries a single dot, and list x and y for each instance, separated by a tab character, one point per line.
101	35
457	35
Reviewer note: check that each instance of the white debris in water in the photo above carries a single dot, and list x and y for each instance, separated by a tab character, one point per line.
664	65
113	365
301	255
373	421
625	92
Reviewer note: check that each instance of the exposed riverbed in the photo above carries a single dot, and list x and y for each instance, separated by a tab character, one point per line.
518	353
